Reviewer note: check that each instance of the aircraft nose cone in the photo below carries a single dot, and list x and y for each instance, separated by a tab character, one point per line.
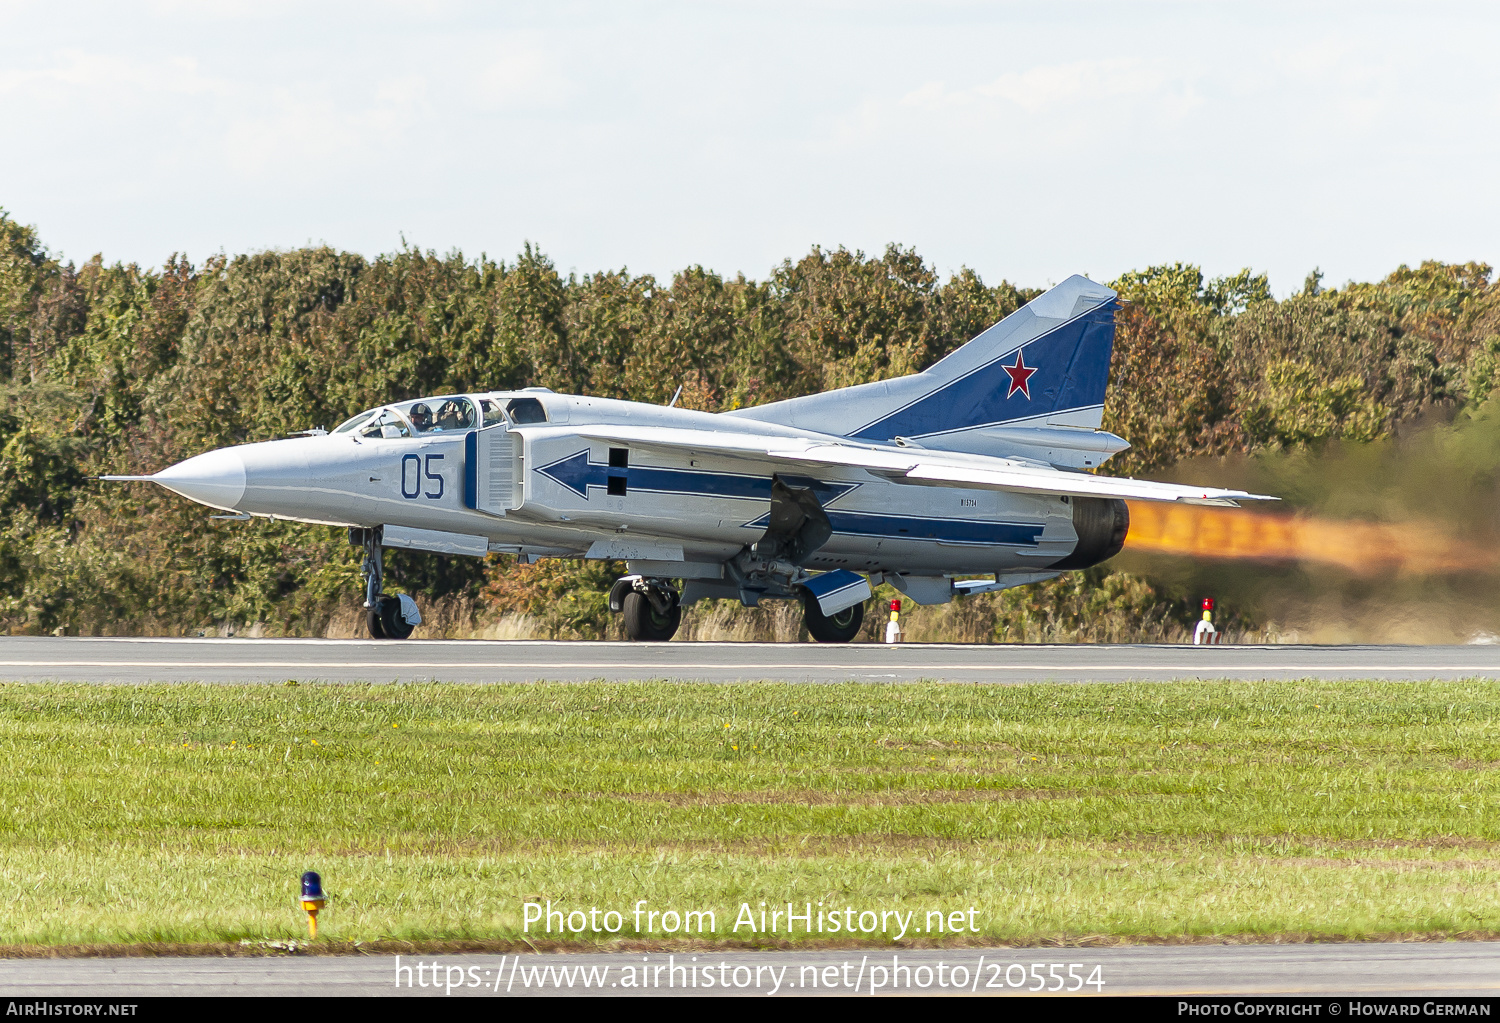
214	478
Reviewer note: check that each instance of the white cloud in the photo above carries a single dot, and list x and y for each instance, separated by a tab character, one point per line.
519	75
108	78
306	135
1314	59
1043	109
1053	88
1090	81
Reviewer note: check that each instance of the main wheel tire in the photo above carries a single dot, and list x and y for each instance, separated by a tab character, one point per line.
373	623
396	627
645	623
835	628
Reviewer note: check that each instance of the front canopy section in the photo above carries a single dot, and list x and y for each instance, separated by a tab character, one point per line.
449	414
452	414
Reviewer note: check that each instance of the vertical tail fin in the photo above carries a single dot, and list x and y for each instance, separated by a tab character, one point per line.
1043	368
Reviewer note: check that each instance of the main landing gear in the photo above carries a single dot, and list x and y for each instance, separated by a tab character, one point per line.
770	568
839	627
652	609
387	616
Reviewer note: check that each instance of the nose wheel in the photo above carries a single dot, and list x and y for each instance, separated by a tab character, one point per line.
386	620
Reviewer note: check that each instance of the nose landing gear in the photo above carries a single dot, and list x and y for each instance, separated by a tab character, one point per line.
390	616
387	616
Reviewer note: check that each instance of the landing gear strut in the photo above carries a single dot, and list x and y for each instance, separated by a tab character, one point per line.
386	616
652	609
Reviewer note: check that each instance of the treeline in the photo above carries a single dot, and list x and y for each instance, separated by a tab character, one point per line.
1216	367
116	368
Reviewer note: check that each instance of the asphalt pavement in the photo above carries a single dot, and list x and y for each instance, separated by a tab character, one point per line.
1371	970
36	659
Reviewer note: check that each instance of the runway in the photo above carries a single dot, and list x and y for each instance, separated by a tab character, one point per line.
1373	971
34	659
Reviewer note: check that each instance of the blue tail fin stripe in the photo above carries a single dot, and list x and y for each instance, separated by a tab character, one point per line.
1072	371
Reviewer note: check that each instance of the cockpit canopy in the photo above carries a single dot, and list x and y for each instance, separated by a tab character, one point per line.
451	414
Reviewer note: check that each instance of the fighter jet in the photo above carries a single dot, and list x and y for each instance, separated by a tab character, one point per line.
977	467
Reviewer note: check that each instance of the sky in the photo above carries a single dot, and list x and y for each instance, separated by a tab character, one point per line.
1028	141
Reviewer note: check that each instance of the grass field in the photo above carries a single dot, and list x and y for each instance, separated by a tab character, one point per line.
185	813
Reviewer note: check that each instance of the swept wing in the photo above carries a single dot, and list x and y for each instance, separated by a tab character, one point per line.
912	465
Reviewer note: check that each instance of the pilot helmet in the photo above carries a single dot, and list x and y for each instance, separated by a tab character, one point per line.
421	415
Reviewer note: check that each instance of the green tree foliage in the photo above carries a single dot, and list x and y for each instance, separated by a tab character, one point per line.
1209	368
118	368
1297	407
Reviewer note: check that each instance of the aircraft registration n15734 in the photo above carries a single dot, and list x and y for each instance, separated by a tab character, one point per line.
977	466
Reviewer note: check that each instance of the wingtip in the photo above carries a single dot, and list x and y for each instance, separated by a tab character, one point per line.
1223	498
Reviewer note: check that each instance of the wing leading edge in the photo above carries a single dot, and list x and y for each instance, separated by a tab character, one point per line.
910	465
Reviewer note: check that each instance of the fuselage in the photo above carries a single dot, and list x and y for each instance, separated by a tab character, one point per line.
515	472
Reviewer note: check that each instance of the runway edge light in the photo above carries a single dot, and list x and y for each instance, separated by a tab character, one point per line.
313	900
893	627
1205	632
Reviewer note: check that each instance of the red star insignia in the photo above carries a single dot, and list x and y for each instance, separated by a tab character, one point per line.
1019	374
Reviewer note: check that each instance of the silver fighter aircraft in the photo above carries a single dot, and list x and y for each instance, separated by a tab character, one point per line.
975	468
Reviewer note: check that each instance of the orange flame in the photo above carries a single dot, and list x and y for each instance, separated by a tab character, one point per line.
1365	548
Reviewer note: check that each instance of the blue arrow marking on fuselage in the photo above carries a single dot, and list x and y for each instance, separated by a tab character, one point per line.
578	473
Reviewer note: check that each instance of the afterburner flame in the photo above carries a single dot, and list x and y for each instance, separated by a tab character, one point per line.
1366	548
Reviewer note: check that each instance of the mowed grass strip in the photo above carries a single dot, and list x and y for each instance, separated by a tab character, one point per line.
185	813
